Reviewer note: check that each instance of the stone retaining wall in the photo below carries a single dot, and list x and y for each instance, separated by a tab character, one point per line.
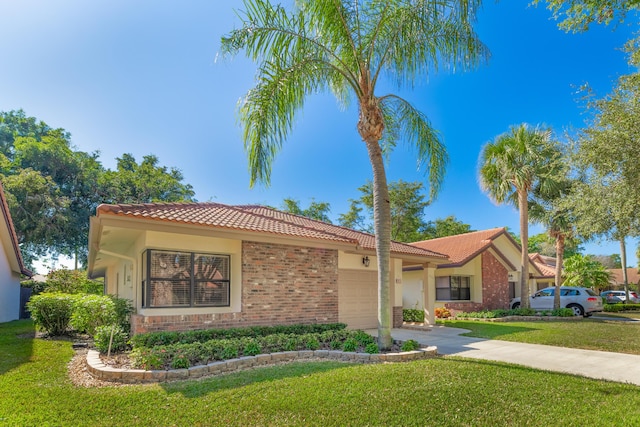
101	371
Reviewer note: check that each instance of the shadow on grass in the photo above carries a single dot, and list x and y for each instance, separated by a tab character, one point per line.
200	387
16	344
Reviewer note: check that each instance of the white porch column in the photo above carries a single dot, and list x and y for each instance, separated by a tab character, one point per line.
429	293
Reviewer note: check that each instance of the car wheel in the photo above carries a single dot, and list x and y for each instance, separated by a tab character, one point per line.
515	306
577	310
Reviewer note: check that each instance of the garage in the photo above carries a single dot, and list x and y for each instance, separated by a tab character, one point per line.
358	298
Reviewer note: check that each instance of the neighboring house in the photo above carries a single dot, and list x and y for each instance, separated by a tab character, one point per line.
483	273
209	265
11	265
617	281
547	266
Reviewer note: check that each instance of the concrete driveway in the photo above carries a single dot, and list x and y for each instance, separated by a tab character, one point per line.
618	367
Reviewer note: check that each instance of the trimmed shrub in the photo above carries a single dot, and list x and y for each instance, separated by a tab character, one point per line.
164	338
616	308
51	312
91	311
413	315
102	338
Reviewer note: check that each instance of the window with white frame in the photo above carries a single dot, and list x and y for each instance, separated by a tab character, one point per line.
453	288
185	279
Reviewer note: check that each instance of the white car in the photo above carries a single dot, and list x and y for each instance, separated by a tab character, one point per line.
582	301
614	297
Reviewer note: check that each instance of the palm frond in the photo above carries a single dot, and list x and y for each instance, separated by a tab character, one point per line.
405	123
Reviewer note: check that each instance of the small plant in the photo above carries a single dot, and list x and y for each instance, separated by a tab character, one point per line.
103	337
372	348
442	313
410	345
252	348
180	361
229	352
413	315
335	344
350	345
312	343
147	358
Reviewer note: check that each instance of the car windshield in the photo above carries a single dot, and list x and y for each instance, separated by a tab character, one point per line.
590	292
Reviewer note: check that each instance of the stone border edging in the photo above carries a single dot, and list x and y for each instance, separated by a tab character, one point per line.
132	376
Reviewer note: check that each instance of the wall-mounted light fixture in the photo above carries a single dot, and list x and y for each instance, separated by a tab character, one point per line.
365	261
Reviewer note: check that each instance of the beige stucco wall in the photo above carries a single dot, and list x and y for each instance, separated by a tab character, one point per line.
9	288
124	277
348	261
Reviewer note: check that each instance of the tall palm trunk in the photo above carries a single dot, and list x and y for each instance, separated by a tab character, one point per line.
523	206
623	260
559	261
370	127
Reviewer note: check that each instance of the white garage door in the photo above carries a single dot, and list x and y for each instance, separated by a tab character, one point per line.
358	298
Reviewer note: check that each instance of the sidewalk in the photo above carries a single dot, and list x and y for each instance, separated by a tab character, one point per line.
618	367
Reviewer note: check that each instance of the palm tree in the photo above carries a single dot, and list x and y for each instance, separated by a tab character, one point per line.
510	167
548	209
346	47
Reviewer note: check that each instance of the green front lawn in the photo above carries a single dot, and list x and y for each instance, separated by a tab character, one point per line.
35	390
588	334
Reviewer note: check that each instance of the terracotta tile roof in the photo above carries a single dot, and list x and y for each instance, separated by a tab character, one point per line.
462	247
547	270
254	218
632	276
12	233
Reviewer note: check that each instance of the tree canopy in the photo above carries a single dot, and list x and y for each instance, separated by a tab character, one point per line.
578	15
53	188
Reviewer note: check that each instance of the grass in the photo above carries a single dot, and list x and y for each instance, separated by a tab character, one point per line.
35	390
588	334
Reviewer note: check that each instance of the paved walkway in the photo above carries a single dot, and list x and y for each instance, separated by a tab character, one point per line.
618	367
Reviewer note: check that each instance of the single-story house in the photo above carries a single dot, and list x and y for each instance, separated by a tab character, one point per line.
617	281
205	265
483	272
11	265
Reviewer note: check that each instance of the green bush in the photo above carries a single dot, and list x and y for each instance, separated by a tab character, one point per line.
72	282
198	353
252	348
413	315
51	312
91	311
616	308
410	345
563	312
102	338
164	338
180	361
350	345
124	309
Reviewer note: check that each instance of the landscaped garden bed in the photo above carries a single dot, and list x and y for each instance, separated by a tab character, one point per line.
161	356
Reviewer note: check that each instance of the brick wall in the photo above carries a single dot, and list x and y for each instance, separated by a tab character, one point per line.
495	288
281	285
397	320
495	283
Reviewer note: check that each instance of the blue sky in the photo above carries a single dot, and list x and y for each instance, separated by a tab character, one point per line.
143	77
